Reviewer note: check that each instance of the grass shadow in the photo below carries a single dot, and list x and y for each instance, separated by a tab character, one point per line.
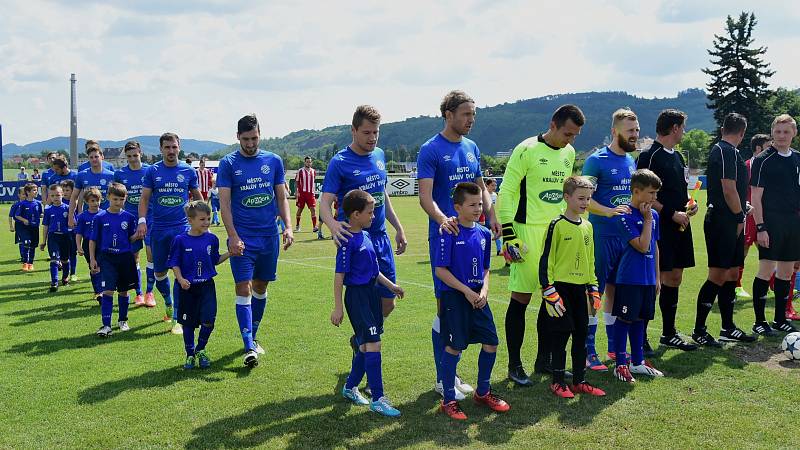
58	311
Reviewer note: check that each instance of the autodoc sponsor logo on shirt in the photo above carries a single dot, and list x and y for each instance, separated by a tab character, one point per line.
257	200
551	196
170	201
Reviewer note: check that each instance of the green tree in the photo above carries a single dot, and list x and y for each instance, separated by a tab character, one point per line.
694	146
781	101
738	74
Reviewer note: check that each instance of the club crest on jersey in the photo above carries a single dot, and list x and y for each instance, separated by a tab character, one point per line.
470	157
567	162
208	249
124	225
103	182
483	244
586	240
65	214
265	169
380	165
180	178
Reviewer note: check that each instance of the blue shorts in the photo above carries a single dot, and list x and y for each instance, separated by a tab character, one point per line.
607	253
259	261
161	242
198	304
433	244
461	324
365	311
118	271
58	246
28	235
385	254
634	302
137	245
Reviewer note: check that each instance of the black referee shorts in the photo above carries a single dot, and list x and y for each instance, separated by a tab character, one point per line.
675	247
724	246
784	237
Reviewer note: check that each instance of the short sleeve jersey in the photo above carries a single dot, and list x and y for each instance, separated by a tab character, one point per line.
725	163
58	178
447	164
31	210
357	260
636	267
611	175
133	181
671	168
568	254
252	182
533	182
196	256
12	212
46	177
88	179
780	177
466	255
86	164
55	218
112	231
349	170
171	188
83	223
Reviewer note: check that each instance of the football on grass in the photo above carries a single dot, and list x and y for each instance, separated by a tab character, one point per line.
791	346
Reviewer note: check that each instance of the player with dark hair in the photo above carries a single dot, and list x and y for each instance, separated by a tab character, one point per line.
56	237
92	144
94	176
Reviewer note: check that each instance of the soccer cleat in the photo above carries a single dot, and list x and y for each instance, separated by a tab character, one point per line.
354	396
54	287
646	369
593	363
735	335
763	329
30	268
648	349
73	278
202	359
189	364
623	373
703	338
586	388
149	300
123	325
65	282
561	390
24	267
315	230
104	331
741	293
453	410
612	356
439	388
320	236
791	314
138	300
491	401
259	349
518	376
250	359
463	387
676	341
297	229
176	328
384	407
786	327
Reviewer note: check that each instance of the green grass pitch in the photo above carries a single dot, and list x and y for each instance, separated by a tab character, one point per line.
62	387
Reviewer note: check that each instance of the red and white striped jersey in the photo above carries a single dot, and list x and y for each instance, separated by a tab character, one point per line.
204	179
305	180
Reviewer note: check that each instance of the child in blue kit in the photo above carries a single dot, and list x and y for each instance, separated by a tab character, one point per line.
83	230
462	264
68	186
14	225
56	236
213	197
637	281
111	255
29	215
357	268
193	257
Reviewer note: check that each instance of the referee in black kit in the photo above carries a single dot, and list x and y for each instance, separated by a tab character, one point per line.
675	248
724	232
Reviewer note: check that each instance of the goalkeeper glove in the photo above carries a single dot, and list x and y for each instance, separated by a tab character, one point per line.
552	302
594	296
513	248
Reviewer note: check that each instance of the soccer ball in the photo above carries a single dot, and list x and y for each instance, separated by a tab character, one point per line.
791	346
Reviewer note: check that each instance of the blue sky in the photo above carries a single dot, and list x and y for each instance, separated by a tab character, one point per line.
148	66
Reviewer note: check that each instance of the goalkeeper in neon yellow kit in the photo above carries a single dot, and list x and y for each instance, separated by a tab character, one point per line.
530	197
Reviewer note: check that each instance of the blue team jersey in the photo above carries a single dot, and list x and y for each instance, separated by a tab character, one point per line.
611	175
636	267
31	210
87	179
57	178
112	231
86	164
447	163
252	182
55	218
83	223
170	192
349	170
357	260
133	181
196	256
14	210
46	177
467	255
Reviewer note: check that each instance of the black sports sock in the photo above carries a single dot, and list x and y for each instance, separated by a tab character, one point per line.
515	331
781	297
727	296
705	301
668	302
578	352
760	290
558	350
543	356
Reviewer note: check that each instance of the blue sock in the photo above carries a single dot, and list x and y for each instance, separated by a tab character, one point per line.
357	370
73	263
151	277
163	288
204	335
138	280
609	320
53	272
21	252
106	308
188	340
449	363
590	336
438	347
214	218
372	364
485	365
244	315
620	340
65	269
95	277
498	245
636	333
258	307
122	303
32	255
176	296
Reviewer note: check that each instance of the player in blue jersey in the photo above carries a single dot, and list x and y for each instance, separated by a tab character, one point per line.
49	172
29	214
445	160
132	177
252	192
61	172
111	255
83	231
95	176
14	225
166	189
56	237
67	186
86	164
193	258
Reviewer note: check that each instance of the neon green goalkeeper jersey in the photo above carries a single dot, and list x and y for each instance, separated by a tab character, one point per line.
568	253
531	192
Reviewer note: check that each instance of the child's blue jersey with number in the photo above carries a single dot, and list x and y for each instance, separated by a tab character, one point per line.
357	260
171	188
611	175
466	255
133	181
88	179
196	256
252	182
112	231
636	267
447	163
83	223
349	170
13	212
55	218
